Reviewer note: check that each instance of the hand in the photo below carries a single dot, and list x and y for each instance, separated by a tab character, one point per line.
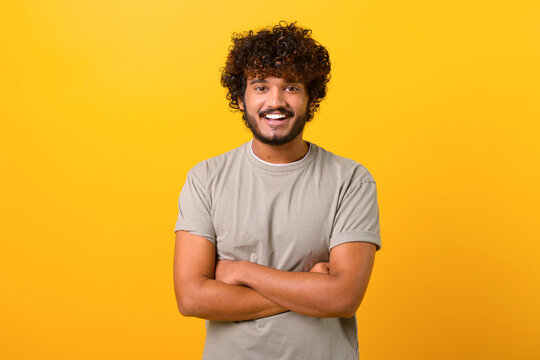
321	267
226	271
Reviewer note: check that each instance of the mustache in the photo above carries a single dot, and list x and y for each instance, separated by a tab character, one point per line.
281	110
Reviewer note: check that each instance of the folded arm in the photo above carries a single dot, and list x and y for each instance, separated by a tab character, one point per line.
198	294
337	294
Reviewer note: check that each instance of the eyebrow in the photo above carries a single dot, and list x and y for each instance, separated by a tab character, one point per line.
255	81
258	81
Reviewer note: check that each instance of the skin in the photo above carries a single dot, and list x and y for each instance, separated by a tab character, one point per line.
240	290
334	294
266	96
199	294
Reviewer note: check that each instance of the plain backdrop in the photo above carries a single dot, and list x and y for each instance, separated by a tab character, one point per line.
105	106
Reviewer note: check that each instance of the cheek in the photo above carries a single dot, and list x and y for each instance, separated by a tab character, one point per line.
303	107
252	104
302	103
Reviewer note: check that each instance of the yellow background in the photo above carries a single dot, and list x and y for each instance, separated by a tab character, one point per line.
105	105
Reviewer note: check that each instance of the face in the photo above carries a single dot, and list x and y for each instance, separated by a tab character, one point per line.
275	110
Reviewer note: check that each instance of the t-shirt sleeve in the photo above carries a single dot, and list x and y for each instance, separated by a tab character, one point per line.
194	213
357	217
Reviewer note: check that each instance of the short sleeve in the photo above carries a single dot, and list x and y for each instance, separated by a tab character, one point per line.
357	217
194	213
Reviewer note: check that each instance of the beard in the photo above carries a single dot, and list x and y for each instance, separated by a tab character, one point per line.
297	128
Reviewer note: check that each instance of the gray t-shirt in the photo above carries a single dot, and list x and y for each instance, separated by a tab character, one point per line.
287	217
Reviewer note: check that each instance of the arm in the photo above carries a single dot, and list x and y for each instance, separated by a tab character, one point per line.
337	294
199	294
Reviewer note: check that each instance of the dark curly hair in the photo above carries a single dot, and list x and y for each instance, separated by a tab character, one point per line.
286	51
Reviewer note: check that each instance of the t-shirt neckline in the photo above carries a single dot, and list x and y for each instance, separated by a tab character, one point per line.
254	160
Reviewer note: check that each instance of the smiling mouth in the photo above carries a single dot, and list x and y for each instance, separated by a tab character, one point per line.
275	116
275	120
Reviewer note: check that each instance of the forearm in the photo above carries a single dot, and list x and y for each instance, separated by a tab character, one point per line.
307	293
214	300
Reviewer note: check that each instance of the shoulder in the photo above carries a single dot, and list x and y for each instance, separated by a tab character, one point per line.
211	167
348	170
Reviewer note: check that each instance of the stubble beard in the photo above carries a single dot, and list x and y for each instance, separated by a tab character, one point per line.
298	127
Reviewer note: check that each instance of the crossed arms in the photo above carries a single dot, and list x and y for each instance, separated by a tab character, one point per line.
240	290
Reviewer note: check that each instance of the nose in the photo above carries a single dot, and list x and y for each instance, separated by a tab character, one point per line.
275	98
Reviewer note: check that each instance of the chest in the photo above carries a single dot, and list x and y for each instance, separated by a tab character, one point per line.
280	221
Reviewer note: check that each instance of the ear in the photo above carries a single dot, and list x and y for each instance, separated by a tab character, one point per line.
240	104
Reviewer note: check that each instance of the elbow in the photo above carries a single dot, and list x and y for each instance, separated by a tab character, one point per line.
185	306
192	307
192	301
347	312
187	301
347	307
189	296
343	311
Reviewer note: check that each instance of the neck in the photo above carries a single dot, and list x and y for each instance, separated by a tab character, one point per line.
281	154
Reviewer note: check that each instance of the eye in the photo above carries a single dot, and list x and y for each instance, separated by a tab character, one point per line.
292	88
259	88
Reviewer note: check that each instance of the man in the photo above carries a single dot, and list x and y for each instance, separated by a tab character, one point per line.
276	239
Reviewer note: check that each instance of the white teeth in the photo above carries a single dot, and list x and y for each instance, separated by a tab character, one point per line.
275	117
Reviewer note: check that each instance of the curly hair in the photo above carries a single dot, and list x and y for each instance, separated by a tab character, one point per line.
286	51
